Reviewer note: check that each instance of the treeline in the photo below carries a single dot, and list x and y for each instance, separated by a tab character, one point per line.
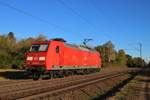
111	57
12	52
148	64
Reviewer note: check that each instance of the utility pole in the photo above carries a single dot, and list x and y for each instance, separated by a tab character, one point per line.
140	45
139	49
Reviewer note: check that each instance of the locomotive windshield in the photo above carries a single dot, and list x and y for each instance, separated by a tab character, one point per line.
39	48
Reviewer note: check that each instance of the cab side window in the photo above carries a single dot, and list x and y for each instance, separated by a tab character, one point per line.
57	49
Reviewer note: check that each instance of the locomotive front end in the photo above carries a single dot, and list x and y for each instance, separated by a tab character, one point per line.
36	59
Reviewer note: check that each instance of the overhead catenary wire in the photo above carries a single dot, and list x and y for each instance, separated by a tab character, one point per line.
100	11
31	15
139	48
48	22
80	16
75	12
105	14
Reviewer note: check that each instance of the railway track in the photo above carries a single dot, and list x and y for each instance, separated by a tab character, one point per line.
40	89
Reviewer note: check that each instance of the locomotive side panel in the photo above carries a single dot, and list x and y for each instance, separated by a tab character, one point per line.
74	57
84	58
62	56
70	57
55	55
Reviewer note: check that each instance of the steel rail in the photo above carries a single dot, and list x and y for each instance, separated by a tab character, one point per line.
32	84
46	87
69	88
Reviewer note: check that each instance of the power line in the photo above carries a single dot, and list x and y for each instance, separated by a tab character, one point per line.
79	15
75	12
139	49
29	14
99	10
45	21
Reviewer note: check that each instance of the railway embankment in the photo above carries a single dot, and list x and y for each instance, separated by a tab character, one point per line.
80	87
136	89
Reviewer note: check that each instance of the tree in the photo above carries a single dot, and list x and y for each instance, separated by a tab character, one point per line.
129	60
41	38
138	62
110	52
6	50
22	47
12	51
4	59
2	41
11	42
121	59
107	52
101	50
11	36
149	64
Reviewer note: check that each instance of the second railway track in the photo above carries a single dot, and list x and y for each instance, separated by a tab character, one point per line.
41	89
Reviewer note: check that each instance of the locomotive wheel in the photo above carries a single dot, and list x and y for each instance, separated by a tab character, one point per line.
36	76
61	74
98	70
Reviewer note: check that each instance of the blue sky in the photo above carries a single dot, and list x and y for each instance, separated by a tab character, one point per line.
124	22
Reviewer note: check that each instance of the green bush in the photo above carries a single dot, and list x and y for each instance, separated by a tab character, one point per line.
136	62
12	51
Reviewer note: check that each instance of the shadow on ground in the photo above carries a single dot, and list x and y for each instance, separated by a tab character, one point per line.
14	75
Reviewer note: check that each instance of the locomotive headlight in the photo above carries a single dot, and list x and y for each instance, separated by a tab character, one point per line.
41	58
30	58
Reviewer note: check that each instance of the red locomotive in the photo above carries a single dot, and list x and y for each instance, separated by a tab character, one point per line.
57	57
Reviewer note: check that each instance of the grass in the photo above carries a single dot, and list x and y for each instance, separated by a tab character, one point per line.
127	92
15	74
5	70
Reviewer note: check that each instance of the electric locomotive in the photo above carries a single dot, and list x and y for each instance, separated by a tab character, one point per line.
56	57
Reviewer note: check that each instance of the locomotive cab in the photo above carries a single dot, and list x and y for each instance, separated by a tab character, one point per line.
37	55
36	58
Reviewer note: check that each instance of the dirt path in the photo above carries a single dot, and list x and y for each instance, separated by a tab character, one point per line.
137	89
145	89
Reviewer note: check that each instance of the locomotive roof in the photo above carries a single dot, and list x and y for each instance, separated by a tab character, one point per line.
58	39
47	41
81	47
40	42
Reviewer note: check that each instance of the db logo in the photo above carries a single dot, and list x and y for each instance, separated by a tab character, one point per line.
35	58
